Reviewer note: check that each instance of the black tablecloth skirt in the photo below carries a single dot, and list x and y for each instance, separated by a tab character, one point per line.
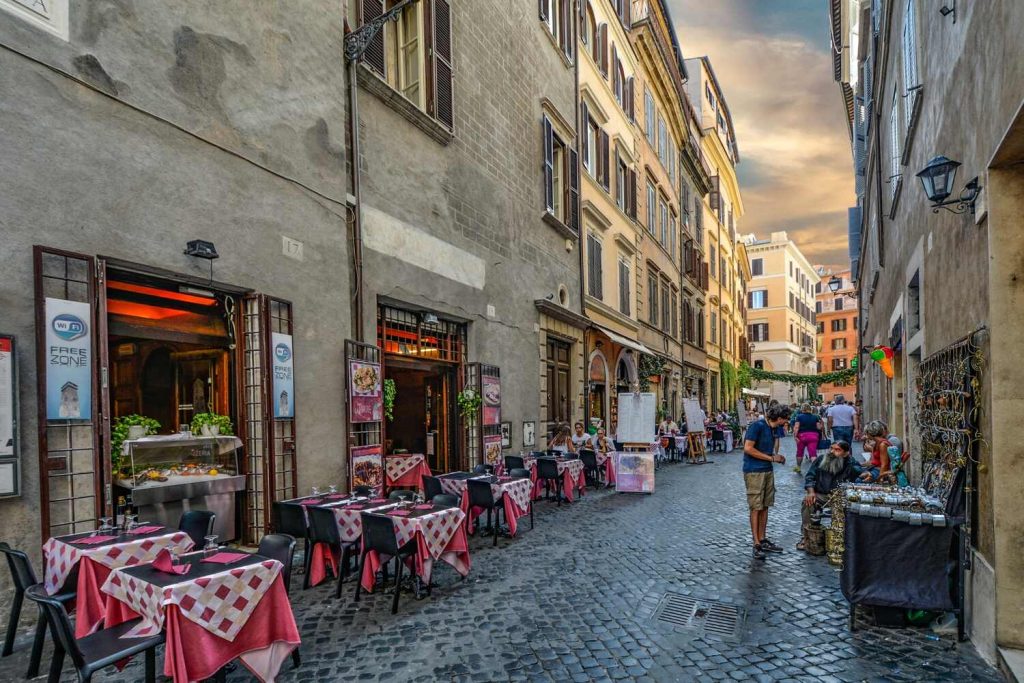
893	564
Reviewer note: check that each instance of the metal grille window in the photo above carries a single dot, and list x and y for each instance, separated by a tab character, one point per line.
404	333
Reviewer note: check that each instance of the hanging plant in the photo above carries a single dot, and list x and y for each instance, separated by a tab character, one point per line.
390	391
119	433
650	366
221	422
803	380
469	405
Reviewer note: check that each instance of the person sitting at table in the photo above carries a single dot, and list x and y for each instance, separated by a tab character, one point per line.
562	441
580	439
668	426
826	473
602	444
876	442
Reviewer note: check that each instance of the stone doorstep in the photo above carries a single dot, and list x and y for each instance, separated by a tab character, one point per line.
1011	663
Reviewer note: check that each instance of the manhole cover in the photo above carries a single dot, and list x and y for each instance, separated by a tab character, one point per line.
708	617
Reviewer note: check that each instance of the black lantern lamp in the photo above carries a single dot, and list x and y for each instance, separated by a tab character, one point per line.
201	249
835	283
937	179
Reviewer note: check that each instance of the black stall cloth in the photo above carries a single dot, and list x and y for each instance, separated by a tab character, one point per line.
889	563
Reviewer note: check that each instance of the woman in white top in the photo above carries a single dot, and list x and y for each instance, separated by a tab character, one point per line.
580	439
562	441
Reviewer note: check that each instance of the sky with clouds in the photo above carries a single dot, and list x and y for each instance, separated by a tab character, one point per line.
773	62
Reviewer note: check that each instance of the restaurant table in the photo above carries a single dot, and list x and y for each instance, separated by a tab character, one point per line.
606	461
348	514
571	470
95	560
405	470
728	440
514	493
212	614
437	531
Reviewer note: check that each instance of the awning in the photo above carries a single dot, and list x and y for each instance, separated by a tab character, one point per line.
625	341
751	392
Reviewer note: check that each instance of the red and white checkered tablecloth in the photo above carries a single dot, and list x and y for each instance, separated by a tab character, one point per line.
518	490
61	556
517	502
439	535
405	469
350	529
221	603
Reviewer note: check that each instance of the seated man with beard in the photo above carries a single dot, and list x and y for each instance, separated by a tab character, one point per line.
824	476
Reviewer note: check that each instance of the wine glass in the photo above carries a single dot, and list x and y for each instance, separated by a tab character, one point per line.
332	489
418	497
105	524
211	545
315	490
133	522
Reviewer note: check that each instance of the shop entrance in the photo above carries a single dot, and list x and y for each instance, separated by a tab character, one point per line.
423	356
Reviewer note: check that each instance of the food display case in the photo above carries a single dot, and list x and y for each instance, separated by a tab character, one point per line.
168	475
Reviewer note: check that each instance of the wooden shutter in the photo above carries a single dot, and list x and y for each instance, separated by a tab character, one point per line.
549	155
566	28
574	190
631	196
626	13
374	55
603	42
444	95
631	99
604	151
616	85
584	131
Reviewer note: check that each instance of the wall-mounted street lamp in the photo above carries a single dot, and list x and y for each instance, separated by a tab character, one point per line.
937	178
834	283
949	8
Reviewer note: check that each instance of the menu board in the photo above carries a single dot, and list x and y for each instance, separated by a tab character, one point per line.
491	399
7	394
367	467
492	449
694	415
741	410
637	418
365	398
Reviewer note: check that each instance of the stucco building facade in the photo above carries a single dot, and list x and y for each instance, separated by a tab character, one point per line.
836	319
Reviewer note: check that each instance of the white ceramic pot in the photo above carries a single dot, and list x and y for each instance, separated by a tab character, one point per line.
207	430
214	430
136	432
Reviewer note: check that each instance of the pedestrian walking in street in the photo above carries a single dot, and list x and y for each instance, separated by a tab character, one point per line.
759	456
824	476
807	429
843	422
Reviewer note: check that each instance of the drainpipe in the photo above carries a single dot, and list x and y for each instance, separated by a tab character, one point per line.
581	230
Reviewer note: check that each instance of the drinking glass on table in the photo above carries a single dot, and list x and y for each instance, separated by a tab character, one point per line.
332	489
133	522
211	545
105	524
315	491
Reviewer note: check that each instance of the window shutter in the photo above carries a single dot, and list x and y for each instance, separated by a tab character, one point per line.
605	179
598	274
444	98
566	28
374	54
616	85
543	9
574	190
631	99
627	14
584	132
549	155
604	49
631	198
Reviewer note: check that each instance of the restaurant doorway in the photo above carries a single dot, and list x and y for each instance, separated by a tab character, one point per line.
423	356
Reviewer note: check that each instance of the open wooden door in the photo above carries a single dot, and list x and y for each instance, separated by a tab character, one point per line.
73	411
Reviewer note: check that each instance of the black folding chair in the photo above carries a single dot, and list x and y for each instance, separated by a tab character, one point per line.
513	462
23	577
446	499
323	528
95	651
379	535
524	474
281	547
480	495
362	490
197	524
590	468
289	518
547	471
718	440
431	487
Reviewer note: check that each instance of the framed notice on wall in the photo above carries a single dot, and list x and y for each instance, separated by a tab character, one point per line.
9	456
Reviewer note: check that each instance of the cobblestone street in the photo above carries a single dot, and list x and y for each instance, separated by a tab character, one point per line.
575	599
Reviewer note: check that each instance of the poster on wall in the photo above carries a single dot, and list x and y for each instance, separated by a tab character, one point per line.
284	380
492	449
7	393
634	472
529	434
506	434
365	399
68	360
491	399
367	467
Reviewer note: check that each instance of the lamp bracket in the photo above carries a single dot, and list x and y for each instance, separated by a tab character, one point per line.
357	41
967	199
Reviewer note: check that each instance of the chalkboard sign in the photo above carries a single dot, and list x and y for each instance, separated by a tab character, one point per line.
637	418
694	415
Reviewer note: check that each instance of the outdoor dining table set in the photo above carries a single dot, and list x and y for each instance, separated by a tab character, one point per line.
571	470
208	607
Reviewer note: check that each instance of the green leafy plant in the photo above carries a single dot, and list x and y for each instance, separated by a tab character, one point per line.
650	366
837	377
119	434
223	423
469	404
390	392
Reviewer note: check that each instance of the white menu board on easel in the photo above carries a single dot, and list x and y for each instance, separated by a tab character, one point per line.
741	411
694	415
637	418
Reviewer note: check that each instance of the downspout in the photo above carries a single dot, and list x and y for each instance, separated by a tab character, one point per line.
357	211
581	230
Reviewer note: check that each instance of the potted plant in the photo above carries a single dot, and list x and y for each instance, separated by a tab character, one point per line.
390	391
469	405
128	427
211	424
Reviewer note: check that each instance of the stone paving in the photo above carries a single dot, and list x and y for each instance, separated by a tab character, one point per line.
574	600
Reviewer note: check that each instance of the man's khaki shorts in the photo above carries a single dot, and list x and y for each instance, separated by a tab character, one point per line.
760	489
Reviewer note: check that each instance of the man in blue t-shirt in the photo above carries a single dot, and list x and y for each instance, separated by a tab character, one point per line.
759	456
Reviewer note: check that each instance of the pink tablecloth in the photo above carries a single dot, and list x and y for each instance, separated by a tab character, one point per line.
241	613
350	528
515	494
95	563
606	461
405	470
573	478
439	535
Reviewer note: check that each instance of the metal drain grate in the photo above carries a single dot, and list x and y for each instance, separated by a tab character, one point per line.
709	617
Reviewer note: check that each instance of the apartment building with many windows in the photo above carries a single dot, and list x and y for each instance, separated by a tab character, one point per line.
727	269
781	312
836	320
